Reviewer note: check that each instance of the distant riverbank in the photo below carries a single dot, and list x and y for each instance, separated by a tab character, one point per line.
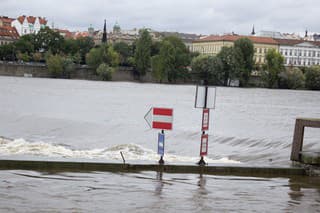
83	72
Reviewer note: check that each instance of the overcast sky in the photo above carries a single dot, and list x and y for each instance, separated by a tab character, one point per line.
190	16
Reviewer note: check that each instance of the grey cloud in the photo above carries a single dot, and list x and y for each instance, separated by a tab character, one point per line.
198	16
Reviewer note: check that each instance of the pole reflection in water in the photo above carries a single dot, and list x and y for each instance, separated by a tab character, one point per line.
159	184
202	182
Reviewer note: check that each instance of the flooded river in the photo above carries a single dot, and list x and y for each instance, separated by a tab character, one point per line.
94	121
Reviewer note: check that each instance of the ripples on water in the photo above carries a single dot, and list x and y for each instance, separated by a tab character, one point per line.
87	120
23	191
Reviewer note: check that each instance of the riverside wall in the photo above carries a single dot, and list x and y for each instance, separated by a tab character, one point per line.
40	70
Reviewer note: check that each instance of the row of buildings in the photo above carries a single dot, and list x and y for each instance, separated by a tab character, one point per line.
296	52
11	29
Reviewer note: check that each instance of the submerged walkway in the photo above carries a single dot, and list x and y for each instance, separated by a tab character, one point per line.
59	166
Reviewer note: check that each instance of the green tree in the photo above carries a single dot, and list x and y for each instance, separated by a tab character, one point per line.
272	68
172	61
102	54
25	44
167	60
143	52
47	39
76	58
244	53
37	56
182	59
55	65
23	57
208	68
157	69
85	44
70	46
68	67
94	58
291	78
228	68
109	56
131	62
124	50
313	78
7	52
105	72
155	48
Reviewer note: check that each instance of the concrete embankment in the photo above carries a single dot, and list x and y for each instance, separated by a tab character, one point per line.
59	166
40	70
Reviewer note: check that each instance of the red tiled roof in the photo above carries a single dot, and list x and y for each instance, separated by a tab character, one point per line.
65	33
21	19
232	38
291	42
43	21
9	31
6	20
81	34
32	19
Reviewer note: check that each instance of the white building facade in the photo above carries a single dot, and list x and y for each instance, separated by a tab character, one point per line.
299	52
29	24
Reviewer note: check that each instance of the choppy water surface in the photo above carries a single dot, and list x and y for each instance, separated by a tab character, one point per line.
87	120
152	192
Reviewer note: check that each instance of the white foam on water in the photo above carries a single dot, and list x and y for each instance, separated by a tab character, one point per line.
130	152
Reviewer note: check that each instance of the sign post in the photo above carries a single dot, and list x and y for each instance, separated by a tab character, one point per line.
205	119
160	118
205	99
161	146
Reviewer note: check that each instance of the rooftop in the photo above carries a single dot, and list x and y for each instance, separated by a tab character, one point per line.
32	19
232	38
9	32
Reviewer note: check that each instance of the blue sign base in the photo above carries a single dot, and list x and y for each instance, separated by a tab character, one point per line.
161	144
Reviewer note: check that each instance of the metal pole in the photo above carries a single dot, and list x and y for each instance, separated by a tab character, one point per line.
201	161
161	161
205	96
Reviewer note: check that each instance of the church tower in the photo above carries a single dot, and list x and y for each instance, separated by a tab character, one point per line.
253	32
104	35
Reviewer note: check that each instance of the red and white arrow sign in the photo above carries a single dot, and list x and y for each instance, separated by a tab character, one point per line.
160	118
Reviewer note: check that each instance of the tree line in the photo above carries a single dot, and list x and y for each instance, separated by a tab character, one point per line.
168	60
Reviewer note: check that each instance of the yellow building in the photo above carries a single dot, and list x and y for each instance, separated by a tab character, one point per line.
211	45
